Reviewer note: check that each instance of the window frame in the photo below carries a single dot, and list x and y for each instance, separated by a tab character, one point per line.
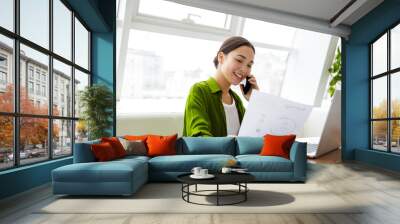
158	20
388	74
15	71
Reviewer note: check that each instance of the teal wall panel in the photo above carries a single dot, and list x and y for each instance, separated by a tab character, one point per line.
356	96
379	159
24	178
103	65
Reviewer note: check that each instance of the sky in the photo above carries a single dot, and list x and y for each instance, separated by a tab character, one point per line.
35	27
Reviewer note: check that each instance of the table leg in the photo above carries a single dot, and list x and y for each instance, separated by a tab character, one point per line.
245	193
196	188
217	194
188	190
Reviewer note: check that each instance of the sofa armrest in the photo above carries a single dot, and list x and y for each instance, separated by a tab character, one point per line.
298	155
83	152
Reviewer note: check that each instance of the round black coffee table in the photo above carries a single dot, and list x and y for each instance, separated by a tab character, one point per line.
238	179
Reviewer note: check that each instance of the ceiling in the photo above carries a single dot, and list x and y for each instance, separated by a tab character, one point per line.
318	9
327	16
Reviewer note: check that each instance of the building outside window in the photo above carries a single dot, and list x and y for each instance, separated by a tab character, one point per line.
34	82
3	72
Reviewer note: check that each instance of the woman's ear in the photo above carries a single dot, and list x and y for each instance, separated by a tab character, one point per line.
221	57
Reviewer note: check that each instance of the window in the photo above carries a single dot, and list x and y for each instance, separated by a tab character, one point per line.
3	72
34	21
62	72
37	75
33	149
6	73
81	45
30	72
40	62
269	33
3	61
36	117
55	102
160	66
62	29
43	77
7	14
62	137
30	87
37	89
3	78
395	47
44	91
6	142
81	81
184	13
385	94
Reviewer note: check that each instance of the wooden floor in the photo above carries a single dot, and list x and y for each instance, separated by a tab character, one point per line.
378	189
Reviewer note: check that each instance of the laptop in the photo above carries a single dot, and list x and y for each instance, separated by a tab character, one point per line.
331	133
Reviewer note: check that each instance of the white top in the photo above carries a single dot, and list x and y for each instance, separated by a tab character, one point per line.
232	119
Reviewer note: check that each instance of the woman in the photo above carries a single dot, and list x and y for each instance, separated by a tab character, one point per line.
212	108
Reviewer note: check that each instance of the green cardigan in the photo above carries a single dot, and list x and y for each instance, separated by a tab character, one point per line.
204	112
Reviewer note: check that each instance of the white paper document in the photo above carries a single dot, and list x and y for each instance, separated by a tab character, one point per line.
269	114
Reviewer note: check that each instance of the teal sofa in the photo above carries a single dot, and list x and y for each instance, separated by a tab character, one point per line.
125	176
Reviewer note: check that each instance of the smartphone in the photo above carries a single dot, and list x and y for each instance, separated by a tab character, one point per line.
246	86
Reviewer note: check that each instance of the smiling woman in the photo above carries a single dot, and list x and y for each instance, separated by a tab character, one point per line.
212	108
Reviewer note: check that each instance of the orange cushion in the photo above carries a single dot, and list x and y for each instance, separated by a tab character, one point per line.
103	152
116	145
161	145
277	145
136	137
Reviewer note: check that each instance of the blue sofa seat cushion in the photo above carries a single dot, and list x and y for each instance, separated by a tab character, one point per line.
184	163
257	163
111	171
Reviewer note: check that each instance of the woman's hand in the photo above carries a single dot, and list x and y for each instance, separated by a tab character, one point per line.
254	85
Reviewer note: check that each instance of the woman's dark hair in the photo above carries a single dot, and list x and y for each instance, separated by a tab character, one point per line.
231	44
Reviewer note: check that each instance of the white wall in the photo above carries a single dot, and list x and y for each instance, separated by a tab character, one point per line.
168	124
161	124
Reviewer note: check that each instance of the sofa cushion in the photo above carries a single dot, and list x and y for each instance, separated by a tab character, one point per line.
161	145
185	163
134	147
257	163
206	145
249	145
116	145
112	171
277	145
103	152
136	137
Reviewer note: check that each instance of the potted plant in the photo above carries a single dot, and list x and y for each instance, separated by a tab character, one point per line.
335	73
96	102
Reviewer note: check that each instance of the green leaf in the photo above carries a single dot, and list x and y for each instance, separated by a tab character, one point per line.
335	72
